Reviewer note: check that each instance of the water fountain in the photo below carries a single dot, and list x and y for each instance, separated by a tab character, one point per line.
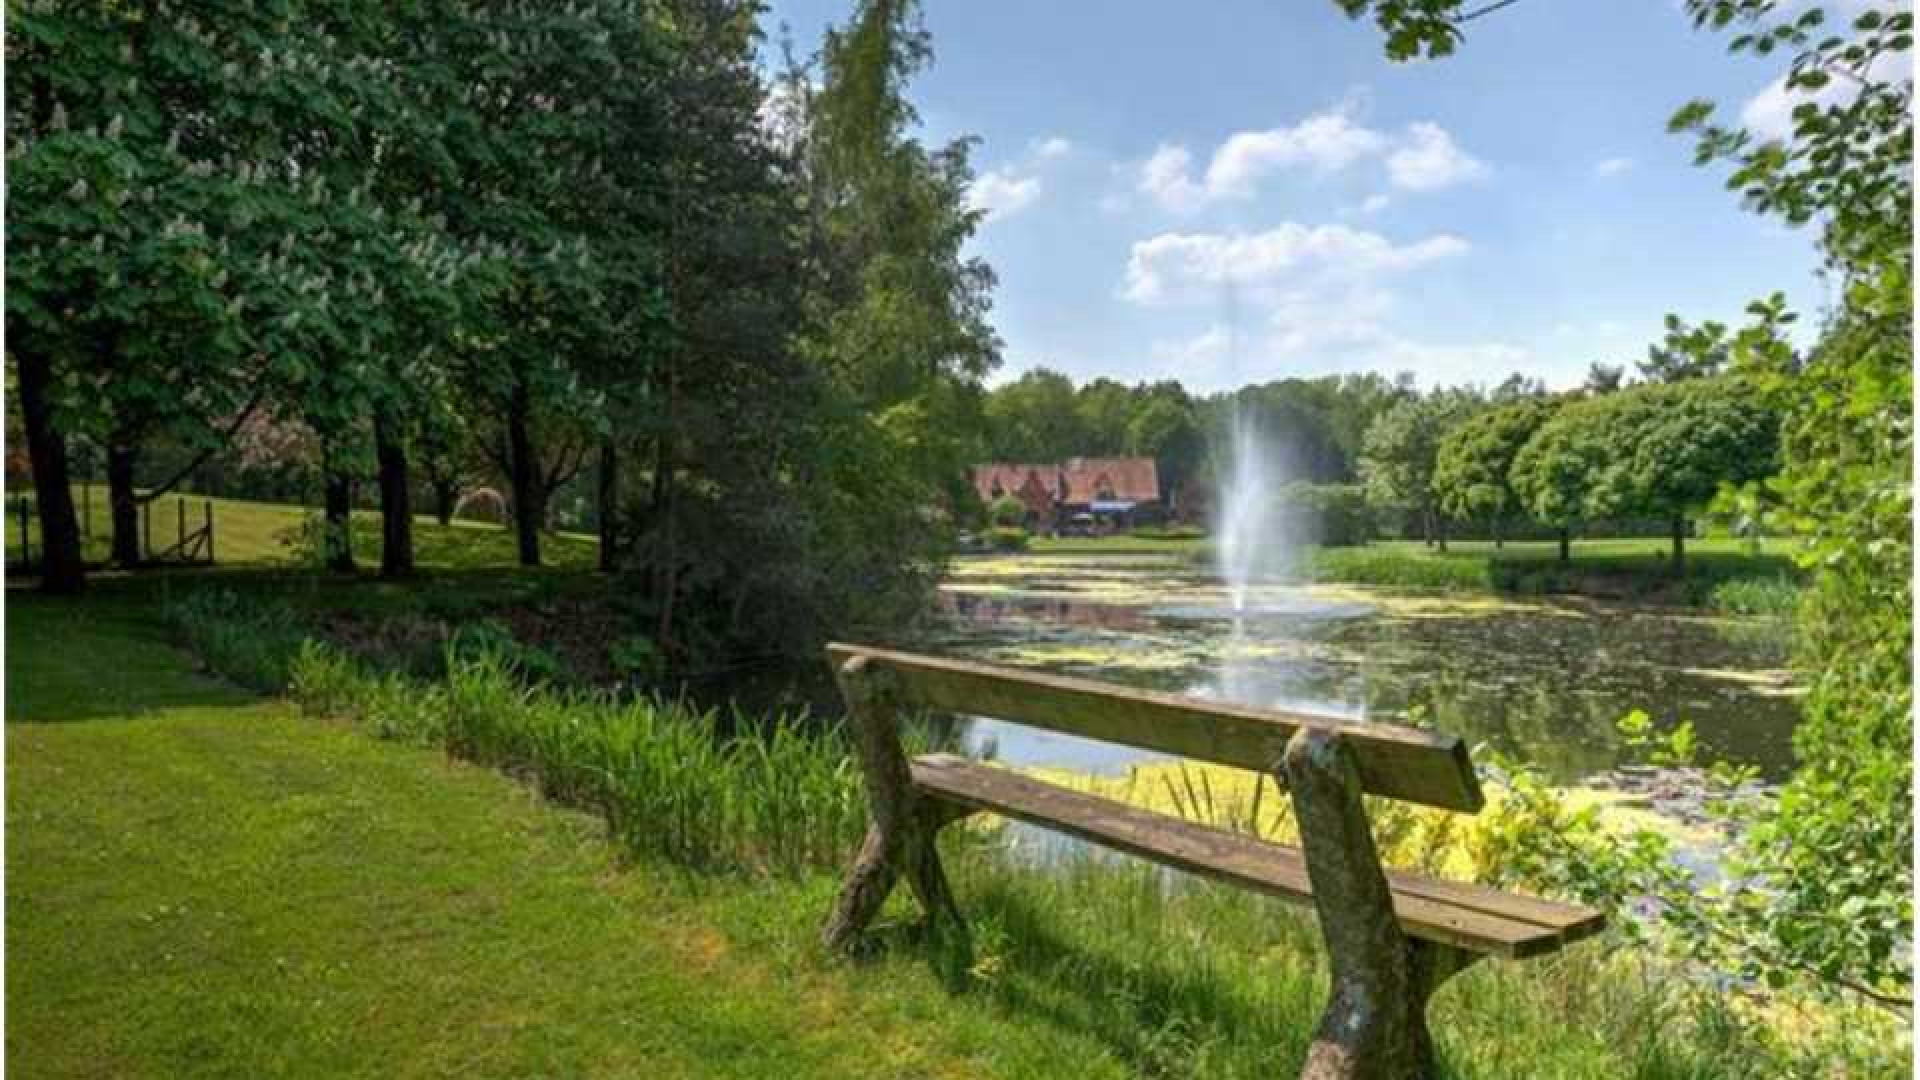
1254	539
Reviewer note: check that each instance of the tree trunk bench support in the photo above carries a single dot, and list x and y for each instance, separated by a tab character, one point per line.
1392	937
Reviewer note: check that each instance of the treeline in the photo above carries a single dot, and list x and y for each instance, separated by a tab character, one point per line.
1357	450
452	241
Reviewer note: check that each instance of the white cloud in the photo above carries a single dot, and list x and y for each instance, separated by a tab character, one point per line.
1326	142
1052	147
1613	166
1421	158
1008	189
1332	342
1430	159
1173	267
1769	113
1003	192
1373	204
1164	179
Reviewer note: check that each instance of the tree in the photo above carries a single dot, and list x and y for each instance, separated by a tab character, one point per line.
1603	378
162	160
1690	440
1687	352
1839	839
1555	473
1473	470
1167	431
1401	454
1036	418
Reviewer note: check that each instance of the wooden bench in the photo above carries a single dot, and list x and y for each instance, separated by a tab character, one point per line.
1392	937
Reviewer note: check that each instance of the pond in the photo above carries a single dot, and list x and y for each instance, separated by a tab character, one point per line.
1545	680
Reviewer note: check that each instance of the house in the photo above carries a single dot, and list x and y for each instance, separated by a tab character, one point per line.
1116	491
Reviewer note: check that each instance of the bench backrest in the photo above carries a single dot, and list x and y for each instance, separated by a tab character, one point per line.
1400	762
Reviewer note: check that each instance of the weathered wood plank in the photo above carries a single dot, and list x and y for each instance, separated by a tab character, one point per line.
1401	762
1466	917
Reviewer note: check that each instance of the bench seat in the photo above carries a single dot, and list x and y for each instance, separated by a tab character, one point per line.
1469	917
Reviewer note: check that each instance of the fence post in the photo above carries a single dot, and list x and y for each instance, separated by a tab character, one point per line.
209	508
180	527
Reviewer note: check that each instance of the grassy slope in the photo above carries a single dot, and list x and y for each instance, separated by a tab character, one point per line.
247	533
203	883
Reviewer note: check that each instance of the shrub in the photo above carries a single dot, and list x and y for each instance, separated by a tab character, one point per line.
530	663
1007	539
637	659
247	641
1007	511
1756	596
1328	515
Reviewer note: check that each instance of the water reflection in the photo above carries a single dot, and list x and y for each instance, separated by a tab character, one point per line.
1543	681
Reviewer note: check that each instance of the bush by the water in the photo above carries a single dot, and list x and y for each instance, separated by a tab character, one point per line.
1007	512
780	796
1328	515
1007	539
240	638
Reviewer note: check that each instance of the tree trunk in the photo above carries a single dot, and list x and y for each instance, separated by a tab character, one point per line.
123	502
609	504
529	503
1499	535
339	522
668	557
1440	531
446	495
1566	544
62	571
396	506
1679	545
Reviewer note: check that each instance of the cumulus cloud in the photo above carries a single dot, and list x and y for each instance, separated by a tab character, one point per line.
1428	158
1613	166
1004	191
1373	204
1052	147
1423	157
1769	113
1326	142
1008	189
1173	267
1214	360
1165	179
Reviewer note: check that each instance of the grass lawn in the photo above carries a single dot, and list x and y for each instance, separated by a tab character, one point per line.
1636	567
259	533
204	882
200	882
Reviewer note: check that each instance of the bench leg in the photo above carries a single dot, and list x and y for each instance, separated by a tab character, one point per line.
902	827
1375	1025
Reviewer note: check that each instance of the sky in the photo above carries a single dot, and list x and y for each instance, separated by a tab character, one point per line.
1235	191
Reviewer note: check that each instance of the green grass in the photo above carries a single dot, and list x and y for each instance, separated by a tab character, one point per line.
204	882
1724	573
250	533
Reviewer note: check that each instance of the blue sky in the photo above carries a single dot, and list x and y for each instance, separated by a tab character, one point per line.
1241	190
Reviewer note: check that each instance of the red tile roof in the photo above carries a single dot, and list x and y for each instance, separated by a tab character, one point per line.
1133	479
1076	481
1012	478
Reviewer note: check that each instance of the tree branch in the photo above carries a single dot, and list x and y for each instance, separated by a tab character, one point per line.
1487	10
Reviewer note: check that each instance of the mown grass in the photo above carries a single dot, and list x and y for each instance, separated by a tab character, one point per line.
1109	965
248	533
1727	574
